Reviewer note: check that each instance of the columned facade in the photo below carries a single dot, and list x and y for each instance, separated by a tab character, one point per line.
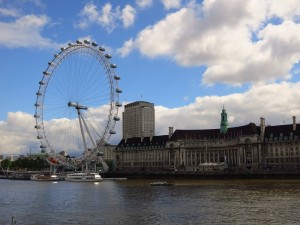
236	150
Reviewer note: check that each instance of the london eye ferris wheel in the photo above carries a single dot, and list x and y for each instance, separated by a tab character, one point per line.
77	103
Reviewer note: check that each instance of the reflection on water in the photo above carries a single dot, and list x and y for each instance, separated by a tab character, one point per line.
136	202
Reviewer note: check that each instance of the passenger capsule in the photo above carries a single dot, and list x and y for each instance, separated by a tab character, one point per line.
118	104
42	83
36	116
78	42
118	90
100	154
116	77
39	137
112	132
37	105
62	49
56	55
113	66
38	93
87	42
101	49
50	63
37	127
107	56
43	146
46	73
116	118
70	44
94	44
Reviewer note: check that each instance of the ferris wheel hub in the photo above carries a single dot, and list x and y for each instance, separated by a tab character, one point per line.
77	106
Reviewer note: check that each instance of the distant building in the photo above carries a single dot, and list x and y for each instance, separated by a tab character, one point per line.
36	155
143	154
108	152
138	120
243	149
13	157
280	147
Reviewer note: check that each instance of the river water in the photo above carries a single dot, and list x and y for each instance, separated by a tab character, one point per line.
136	202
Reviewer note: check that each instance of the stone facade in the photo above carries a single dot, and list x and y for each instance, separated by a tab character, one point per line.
244	149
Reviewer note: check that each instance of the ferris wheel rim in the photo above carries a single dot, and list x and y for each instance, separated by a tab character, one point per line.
112	117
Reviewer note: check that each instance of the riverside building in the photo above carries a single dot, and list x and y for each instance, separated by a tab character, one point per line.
243	149
138	120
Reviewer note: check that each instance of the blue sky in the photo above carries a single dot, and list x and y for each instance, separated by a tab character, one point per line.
188	57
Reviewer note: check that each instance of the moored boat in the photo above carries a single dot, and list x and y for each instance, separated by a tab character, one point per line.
162	183
84	177
43	177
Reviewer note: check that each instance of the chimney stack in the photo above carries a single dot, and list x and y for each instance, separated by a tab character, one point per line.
262	127
294	123
170	132
151	135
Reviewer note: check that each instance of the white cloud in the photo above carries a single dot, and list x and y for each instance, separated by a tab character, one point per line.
26	32
107	17
126	48
128	15
38	3
219	34
144	3
205	112
170	4
9	12
17	134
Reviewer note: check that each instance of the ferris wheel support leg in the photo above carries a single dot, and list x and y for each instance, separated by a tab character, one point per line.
88	131
81	129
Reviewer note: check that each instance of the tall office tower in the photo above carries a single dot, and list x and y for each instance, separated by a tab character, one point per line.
138	120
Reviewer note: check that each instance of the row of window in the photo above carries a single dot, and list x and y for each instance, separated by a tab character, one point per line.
283	152
283	160
282	138
145	157
128	164
142	147
210	142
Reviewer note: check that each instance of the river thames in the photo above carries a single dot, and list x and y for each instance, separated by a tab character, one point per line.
136	202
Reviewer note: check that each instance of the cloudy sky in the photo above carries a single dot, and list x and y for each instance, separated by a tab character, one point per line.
188	57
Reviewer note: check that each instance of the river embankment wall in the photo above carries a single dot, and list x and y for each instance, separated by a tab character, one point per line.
197	176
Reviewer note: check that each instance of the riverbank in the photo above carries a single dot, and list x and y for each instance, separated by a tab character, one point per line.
148	175
198	176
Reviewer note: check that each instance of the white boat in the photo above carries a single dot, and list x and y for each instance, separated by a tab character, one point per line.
84	177
42	177
162	183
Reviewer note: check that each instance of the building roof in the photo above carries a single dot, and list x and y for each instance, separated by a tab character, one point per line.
146	141
250	129
282	130
138	103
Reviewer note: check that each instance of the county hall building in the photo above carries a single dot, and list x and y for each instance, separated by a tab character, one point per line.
243	149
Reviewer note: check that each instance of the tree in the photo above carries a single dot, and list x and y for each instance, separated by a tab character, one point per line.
5	164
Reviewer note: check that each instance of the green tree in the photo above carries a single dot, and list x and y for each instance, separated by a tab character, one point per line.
5	164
